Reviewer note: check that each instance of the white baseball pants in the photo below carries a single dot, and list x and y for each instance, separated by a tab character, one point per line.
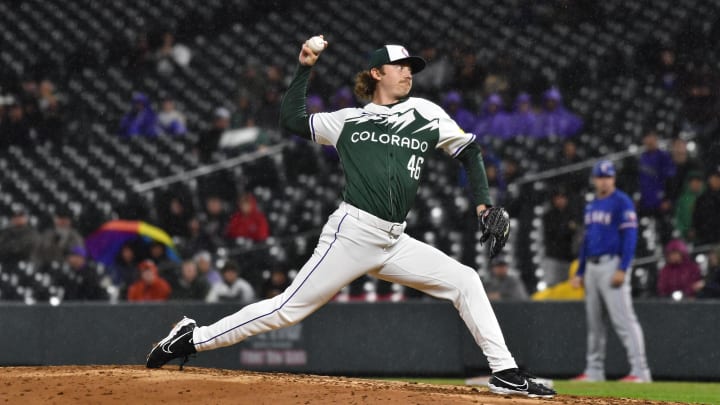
354	242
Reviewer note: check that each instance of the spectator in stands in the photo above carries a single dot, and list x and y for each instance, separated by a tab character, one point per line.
190	286
555	119
141	120
699	89
576	180
685	204
469	75
684	164
52	126
453	104
47	95
173	218
214	219
705	219
139	58
244	113
87	278
656	168
276	284
501	285
232	287
171	54
248	221
123	272
315	104
170	120
437	73
343	98
166	267
18	240
680	272
196	241
560	227
150	286
53	243
269	108
667	68
204	263
15	129
523	120
493	121
209	139
711	289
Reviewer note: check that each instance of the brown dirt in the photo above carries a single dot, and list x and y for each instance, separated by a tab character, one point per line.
136	384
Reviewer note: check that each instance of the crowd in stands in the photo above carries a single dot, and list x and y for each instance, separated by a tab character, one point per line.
676	179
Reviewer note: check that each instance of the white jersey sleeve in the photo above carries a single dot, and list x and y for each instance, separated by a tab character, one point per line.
452	139
325	127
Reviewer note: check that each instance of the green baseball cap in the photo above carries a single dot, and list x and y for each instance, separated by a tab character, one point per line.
390	54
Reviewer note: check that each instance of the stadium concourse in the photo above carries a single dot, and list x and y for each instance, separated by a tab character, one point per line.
71	72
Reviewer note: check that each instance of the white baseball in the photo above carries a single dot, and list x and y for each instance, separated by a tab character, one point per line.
316	44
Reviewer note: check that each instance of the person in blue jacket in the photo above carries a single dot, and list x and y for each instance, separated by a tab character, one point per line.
605	255
141	120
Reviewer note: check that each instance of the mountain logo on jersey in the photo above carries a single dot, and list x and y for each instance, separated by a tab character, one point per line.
401	123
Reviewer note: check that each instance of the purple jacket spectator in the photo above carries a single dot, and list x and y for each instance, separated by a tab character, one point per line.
523	119
493	121
141	120
343	98
656	168
556	120
453	104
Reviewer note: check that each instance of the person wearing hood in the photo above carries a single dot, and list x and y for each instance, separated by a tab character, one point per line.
150	286
248	221
680	272
555	119
453	103
141	120
493	121
523	119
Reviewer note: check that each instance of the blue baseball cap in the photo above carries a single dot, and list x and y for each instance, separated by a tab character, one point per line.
603	168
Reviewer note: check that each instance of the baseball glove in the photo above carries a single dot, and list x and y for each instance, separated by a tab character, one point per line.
495	227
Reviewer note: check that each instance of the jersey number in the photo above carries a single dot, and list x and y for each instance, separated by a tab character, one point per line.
414	166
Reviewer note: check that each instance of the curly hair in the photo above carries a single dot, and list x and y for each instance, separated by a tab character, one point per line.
364	85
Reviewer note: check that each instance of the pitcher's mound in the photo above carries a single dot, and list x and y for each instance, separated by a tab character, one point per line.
136	384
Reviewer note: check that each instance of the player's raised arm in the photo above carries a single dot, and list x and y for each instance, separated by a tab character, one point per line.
293	112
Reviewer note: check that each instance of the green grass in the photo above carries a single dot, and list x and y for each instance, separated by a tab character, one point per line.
687	392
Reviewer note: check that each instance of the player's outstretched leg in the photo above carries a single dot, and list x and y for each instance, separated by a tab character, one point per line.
177	344
425	268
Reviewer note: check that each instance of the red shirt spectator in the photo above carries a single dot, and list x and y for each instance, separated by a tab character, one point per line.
150	286
248	221
680	272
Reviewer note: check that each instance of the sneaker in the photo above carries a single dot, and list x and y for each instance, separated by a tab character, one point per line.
176	344
516	382
633	379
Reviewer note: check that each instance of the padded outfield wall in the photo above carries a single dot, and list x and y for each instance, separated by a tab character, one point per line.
413	339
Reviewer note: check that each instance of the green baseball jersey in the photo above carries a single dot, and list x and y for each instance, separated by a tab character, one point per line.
383	150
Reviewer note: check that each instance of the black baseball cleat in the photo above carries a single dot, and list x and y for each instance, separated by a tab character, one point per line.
515	382
177	344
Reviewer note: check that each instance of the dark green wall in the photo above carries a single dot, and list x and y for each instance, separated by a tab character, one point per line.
418	338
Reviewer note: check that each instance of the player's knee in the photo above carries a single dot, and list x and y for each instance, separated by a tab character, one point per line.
469	283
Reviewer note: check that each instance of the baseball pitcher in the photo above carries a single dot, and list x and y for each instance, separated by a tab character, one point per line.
383	147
